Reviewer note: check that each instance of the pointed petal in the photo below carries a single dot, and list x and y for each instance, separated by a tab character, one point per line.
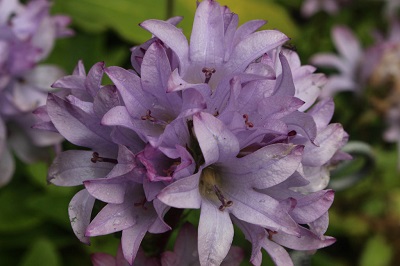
183	193
106	98
71	168
132	237
215	234
207	39
330	140
171	36
94	77
265	167
252	47
216	141
118	116
312	206
302	123
79	211
307	240
112	218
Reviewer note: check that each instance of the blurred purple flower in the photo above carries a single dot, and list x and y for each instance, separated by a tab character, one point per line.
310	7
27	35
376	66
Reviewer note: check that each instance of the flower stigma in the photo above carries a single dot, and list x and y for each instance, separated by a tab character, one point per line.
208	73
96	158
209	188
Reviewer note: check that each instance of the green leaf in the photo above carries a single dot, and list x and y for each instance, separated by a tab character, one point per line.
123	16
42	253
377	252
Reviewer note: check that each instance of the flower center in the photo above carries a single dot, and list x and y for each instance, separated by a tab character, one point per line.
208	73
96	158
208	187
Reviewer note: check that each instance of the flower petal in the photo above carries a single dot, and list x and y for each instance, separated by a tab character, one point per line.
79	211
215	234
216	141
71	168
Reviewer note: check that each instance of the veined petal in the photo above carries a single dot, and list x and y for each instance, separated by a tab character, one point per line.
265	167
129	85
183	193
322	112
132	237
246	29
71	168
171	36
252	47
94	77
216	141
312	206
207	39
330	140
307	240
215	234
113	218
118	116
79	211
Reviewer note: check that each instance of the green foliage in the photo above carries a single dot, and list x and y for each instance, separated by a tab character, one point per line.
42	252
377	252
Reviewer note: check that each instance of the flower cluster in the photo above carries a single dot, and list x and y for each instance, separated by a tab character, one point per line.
27	35
374	67
227	124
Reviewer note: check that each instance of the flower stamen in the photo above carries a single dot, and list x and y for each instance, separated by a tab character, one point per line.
247	122
149	117
96	158
208	73
225	203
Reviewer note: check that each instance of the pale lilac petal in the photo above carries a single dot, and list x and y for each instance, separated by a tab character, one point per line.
87	131
171	36
265	167
322	112
215	234
252	47
284	83
106	98
247	28
302	123
118	116
257	208
329	140
183	193
71	168
94	77
320	225
207	39
176	83
307	240
129	85
312	206
216	141
132	237
79	211
111	190
112	218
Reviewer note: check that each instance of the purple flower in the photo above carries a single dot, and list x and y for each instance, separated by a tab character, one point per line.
223	124
27	36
